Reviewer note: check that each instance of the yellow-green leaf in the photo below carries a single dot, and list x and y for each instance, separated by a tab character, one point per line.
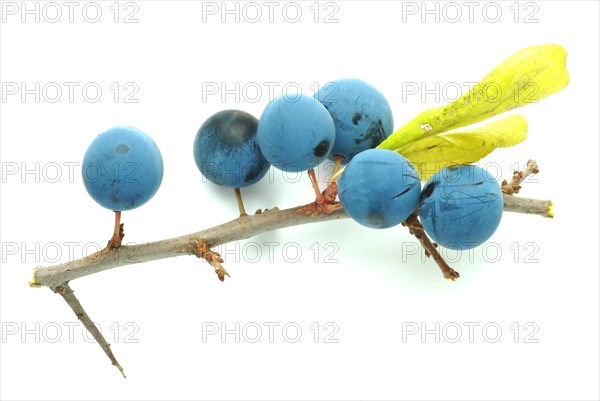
435	152
525	77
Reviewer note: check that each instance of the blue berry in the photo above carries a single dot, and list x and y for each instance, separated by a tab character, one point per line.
226	151
379	188
461	206
122	168
295	133
362	116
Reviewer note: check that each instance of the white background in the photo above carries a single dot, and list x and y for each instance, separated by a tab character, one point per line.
371	291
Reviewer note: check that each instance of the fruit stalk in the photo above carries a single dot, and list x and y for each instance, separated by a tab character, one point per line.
117	237
240	202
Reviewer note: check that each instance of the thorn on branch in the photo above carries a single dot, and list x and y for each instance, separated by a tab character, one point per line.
69	296
514	186
203	251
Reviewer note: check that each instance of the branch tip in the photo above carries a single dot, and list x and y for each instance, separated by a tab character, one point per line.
120	370
33	283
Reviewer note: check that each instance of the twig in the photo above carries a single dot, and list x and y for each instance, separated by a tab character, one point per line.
416	228
528	206
57	277
69	296
518	177
234	230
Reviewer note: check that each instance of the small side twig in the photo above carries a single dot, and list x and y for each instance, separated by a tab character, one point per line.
416	228
518	177
527	206
202	250
69	296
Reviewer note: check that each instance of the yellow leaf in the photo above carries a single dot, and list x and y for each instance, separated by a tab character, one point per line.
527	76
435	152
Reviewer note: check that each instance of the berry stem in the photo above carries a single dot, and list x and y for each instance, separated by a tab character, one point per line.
315	184
115	241
337	174
240	202
336	166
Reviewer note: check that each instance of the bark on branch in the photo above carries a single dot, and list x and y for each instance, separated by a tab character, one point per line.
57	277
238	229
